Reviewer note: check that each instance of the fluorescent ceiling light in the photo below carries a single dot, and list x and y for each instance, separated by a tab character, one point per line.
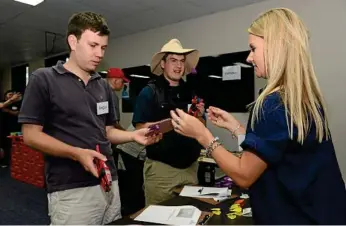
243	65
214	76
30	2
139	76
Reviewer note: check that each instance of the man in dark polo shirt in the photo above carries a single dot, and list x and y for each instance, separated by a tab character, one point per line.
171	162
67	111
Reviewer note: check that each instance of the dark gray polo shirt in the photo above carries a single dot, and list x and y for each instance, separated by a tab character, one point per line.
67	109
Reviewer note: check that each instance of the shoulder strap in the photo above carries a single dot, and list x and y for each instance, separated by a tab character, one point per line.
158	92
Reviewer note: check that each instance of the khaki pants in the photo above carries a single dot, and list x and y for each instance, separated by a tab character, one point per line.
82	206
160	179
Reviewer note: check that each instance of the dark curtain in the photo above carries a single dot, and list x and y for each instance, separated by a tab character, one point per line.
18	78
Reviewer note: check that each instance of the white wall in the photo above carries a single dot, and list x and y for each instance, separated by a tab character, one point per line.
226	32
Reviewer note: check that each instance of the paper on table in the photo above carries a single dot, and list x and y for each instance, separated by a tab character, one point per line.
223	198
204	192
176	215
247	212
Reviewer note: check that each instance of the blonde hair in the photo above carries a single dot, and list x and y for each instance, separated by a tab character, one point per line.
289	69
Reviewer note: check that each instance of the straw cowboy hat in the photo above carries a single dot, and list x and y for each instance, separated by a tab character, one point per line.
174	46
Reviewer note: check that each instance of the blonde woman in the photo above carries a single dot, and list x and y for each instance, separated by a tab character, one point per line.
289	162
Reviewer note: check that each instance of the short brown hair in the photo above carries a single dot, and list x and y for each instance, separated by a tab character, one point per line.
164	58
82	21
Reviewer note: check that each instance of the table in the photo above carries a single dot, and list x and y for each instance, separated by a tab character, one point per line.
203	206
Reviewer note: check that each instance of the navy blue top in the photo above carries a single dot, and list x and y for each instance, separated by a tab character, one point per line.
152	108
302	183
144	107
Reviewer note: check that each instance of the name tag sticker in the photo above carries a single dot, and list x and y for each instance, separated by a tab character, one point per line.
102	108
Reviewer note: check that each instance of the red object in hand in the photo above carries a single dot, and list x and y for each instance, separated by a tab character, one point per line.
104	173
193	110
240	202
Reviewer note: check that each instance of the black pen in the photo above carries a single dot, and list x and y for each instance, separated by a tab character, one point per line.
200	191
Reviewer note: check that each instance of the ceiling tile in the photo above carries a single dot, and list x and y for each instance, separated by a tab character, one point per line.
115	8
23	27
177	12
38	21
168	14
10	9
219	5
139	22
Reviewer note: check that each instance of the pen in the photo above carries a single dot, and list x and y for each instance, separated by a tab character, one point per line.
205	219
200	191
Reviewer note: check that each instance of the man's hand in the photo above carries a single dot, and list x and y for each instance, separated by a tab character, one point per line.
15	97
141	137
86	158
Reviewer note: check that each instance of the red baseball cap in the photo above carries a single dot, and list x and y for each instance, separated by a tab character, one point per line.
116	73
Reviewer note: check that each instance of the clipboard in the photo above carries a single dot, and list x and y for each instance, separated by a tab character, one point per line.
211	201
203	219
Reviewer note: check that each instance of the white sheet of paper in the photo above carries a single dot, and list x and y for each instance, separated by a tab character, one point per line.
173	215
222	198
247	212
231	73
202	192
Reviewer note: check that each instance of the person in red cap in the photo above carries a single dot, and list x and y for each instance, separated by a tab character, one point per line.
116	79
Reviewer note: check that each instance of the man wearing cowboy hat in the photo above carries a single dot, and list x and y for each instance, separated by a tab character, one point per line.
173	161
